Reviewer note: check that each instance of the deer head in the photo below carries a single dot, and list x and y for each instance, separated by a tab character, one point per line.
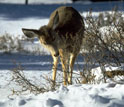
47	36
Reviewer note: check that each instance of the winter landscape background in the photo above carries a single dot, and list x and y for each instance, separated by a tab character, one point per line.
36	61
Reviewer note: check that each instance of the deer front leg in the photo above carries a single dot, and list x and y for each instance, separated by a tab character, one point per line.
71	64
64	67
54	69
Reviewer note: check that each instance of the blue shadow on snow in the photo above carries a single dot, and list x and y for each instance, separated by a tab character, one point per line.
17	11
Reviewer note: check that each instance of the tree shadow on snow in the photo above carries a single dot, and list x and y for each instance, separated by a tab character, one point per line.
32	62
20	11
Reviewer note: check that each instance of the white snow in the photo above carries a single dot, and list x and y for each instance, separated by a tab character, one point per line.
86	95
102	95
13	27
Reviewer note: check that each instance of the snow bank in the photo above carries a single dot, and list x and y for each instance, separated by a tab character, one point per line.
89	95
13	27
105	95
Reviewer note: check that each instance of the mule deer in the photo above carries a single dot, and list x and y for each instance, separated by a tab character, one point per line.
63	37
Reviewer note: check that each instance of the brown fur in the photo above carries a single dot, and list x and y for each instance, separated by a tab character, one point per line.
63	37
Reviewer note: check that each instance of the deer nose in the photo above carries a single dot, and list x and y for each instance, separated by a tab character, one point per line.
56	54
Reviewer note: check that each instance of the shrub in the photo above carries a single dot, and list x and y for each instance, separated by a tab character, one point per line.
10	44
104	42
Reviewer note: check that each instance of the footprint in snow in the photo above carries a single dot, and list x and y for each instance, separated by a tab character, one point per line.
22	102
2	104
53	102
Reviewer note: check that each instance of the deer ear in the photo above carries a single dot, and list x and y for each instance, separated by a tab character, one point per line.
31	33
56	20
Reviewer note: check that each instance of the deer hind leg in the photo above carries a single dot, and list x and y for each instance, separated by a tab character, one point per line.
71	64
54	69
64	61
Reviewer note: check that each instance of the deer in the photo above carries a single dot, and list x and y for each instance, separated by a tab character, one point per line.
62	36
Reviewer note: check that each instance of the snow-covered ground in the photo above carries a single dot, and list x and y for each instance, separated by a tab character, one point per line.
14	17
104	95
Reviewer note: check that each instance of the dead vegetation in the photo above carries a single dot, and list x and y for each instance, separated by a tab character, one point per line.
27	85
112	74
103	43
9	43
14	44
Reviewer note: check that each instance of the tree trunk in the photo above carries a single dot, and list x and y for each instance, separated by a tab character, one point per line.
26	2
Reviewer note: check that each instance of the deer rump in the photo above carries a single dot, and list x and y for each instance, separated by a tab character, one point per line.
69	21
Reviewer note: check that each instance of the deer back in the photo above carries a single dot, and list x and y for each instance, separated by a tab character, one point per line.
69	20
